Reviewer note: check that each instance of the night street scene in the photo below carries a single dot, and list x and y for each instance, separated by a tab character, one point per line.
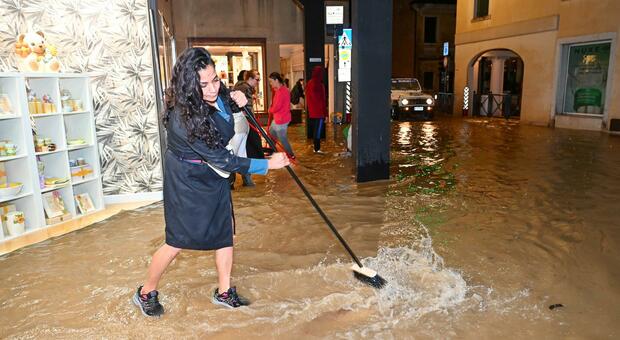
309	169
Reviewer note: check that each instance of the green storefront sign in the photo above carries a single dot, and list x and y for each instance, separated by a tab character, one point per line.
586	80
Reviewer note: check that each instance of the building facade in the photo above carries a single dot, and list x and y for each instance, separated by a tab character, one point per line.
551	63
420	29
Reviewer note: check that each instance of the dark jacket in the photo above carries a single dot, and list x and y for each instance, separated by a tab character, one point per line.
247	90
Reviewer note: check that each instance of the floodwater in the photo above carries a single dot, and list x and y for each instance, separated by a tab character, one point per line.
483	226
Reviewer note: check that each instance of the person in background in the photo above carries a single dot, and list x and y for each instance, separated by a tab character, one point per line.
197	197
286	83
241	75
254	147
281	110
317	106
241	133
297	94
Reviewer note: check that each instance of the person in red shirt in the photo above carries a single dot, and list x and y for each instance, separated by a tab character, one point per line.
281	110
317	107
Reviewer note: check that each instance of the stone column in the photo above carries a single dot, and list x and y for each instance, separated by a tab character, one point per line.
497	74
497	83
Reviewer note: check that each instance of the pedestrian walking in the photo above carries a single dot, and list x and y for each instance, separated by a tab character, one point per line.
281	110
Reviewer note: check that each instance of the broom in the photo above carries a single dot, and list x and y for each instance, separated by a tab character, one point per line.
364	274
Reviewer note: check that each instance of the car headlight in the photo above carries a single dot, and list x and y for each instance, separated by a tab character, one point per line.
404	101
429	101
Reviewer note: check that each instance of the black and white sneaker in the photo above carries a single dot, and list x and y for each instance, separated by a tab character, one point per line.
229	298
148	303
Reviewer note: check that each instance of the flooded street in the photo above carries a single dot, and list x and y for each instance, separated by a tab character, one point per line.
483	226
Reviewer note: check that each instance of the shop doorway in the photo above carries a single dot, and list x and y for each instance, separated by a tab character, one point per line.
496	78
234	55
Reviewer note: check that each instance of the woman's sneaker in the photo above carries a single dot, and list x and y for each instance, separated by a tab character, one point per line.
148	303
229	299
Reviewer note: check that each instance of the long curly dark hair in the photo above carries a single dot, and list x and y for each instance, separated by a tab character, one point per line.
185	97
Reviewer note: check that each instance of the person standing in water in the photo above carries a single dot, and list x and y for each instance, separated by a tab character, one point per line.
254	146
317	105
281	110
197	197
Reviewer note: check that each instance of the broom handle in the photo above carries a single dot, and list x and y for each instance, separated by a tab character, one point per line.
303	188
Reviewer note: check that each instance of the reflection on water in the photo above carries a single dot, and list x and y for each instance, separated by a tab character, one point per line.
484	224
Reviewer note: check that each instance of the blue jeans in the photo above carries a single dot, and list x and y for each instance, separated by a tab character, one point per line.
278	131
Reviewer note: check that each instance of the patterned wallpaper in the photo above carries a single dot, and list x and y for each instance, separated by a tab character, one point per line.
110	39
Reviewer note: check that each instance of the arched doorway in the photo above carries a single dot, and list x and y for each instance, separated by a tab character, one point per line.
496	79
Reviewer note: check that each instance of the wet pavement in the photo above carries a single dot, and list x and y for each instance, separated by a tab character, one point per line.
483	226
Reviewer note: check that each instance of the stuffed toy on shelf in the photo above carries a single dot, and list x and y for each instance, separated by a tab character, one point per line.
34	55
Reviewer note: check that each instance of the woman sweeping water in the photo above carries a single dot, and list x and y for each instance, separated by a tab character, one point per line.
197	198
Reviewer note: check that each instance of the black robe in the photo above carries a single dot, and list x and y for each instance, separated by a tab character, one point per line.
197	201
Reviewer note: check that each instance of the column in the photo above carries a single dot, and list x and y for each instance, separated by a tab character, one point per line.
371	81
497	84
497	75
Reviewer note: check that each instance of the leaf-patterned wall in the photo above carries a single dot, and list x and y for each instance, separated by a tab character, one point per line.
111	40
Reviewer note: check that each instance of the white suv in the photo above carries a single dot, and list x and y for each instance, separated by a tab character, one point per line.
408	99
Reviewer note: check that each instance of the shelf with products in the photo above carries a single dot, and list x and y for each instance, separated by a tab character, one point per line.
44	130
12	141
77	130
58	205
73	95
13	179
9	92
43	95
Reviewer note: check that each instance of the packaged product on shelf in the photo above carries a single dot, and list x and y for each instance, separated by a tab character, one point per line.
76	141
54	207
48	105
10	149
3	176
41	169
65	96
84	204
44	145
80	172
5	208
38	105
15	223
5	104
7	148
32	108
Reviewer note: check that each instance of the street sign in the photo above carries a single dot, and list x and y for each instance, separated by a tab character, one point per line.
345	49
344	75
446	48
334	15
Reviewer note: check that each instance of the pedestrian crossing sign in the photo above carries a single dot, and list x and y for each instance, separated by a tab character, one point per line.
345	39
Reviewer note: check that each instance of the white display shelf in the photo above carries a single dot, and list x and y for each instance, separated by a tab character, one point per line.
78	146
86	180
18	196
43	153
41	115
55	187
9	158
59	127
6	116
75	113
